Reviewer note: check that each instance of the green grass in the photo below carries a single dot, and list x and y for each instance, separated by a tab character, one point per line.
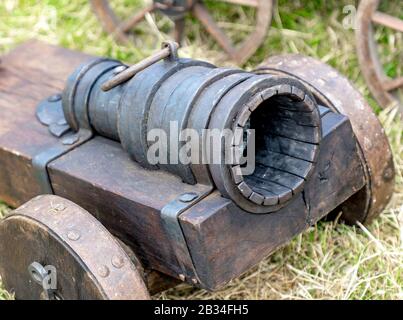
329	261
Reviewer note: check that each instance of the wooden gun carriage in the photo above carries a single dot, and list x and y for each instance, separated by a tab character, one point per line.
116	227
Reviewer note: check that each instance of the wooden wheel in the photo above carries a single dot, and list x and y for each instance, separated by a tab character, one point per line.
384	89
50	248
177	9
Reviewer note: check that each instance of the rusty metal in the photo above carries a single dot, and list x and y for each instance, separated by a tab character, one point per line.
170	219
177	9
332	89
384	89
65	144
90	263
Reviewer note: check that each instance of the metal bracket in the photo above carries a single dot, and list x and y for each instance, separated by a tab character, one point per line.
41	161
50	113
170	218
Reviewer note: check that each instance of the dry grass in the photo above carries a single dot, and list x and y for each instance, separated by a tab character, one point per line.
330	260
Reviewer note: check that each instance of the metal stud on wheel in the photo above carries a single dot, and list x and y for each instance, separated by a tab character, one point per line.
384	89
50	248
176	10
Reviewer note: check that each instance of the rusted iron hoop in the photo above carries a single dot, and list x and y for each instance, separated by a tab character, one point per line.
382	87
240	54
89	262
335	91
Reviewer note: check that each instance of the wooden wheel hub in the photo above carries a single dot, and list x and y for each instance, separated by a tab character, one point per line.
174	9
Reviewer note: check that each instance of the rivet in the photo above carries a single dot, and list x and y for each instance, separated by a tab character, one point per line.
58	207
118	261
103	271
388	174
73	235
55	98
188	197
182	277
72	139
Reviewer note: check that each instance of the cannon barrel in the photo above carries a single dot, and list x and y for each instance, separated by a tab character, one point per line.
196	95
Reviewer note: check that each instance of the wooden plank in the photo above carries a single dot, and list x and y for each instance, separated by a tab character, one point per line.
30	73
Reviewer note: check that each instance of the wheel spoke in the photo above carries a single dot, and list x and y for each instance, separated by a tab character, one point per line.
135	19
179	30
393	84
388	21
250	3
207	20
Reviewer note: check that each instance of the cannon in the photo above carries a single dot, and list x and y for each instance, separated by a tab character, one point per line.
98	218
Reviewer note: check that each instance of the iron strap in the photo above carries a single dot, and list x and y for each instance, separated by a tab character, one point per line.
41	161
170	217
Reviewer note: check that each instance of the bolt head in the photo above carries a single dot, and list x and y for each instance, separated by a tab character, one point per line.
73	235
103	271
118	261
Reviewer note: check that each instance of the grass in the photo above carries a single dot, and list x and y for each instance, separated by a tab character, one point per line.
328	261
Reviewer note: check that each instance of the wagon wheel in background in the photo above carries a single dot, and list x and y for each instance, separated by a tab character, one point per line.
50	248
383	88
176	11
